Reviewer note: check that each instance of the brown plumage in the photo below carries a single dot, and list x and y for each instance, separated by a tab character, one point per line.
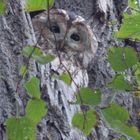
67	34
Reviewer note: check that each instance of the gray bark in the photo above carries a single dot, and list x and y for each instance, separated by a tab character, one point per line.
16	32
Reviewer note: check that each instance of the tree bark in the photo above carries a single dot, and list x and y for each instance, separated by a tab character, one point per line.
17	32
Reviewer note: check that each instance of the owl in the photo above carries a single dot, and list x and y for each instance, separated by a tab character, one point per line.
71	40
67	34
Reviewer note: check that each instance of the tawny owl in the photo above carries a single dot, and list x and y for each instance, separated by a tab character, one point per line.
71	40
66	33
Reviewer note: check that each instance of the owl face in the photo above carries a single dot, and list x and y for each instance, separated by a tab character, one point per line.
78	37
68	33
52	27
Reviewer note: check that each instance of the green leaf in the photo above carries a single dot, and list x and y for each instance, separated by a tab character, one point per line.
44	59
130	27
37	55
20	129
122	58
36	109
130	131
115	112
133	4
88	96
32	51
119	83
65	77
116	117
2	7
137	73
23	70
36	5
32	87
85	123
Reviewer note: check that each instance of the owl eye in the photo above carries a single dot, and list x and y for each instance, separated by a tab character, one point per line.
55	29
75	37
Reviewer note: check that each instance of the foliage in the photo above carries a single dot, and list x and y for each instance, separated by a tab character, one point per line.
130	27
117	117
119	83
66	78
32	87
85	122
115	113
122	58
36	108
2	7
87	96
20	129
23	70
136	73
37	55
24	128
36	5
133	4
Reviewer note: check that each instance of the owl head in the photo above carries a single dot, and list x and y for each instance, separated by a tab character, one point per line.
67	33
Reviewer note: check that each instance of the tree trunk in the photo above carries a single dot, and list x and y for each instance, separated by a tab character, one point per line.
16	32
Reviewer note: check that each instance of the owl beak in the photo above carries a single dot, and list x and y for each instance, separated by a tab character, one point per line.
61	44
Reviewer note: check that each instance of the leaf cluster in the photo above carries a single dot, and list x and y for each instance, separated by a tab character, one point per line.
24	128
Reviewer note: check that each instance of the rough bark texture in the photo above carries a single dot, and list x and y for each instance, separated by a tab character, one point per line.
16	32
